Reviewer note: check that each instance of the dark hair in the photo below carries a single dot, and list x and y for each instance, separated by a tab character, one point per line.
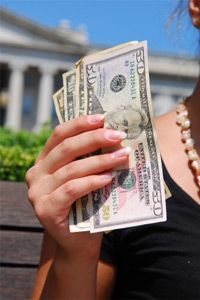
176	19
179	12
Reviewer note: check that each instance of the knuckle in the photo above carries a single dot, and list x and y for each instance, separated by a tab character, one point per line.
65	146
70	170
32	194
31	173
57	133
71	191
28	176
55	177
40	211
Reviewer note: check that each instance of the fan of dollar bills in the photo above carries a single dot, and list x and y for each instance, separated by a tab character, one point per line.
116	82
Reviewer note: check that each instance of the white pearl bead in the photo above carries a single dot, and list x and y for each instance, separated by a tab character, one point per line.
196	166
186	134
184	113
180	119
181	107
192	154
189	143
185	124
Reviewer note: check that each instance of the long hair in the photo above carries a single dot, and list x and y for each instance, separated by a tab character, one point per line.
177	18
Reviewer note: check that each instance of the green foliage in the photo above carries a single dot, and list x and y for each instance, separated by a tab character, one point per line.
18	151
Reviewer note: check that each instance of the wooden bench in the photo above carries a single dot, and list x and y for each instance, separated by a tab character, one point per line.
21	239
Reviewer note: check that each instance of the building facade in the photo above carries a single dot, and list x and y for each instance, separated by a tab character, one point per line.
33	58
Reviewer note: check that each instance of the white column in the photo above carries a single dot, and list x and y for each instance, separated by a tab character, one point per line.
45	96
15	99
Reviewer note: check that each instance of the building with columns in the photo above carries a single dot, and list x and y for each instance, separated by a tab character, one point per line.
33	58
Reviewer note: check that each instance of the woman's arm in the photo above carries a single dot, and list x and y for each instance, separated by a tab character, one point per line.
106	276
59	178
46	258
106	273
72	276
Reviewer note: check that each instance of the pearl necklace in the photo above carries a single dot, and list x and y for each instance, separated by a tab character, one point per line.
185	124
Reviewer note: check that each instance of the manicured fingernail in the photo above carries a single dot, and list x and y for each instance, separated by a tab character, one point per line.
106	176
95	119
115	135
121	152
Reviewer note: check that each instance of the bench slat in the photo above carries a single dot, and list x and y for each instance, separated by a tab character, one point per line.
15	209
20	247
16	283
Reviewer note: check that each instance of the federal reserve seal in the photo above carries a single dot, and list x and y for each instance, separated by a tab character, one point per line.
118	83
126	179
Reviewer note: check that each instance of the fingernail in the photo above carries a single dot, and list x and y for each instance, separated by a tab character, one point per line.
95	119
115	135
106	176
121	152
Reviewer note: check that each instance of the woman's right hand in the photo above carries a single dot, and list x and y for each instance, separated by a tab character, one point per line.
58	177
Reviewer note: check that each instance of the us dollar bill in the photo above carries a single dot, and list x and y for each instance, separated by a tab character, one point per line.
80	103
74	106
80	216
58	99
65	105
117	83
80	96
82	210
69	84
77	216
64	102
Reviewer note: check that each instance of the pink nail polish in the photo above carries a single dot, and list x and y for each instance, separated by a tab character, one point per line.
121	152
106	177
95	119
115	135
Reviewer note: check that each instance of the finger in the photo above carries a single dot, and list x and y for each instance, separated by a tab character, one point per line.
63	197
53	209
82	168
80	145
90	166
69	129
34	173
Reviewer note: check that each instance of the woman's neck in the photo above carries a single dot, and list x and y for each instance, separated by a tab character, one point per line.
193	105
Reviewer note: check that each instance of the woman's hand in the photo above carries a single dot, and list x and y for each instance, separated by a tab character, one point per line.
58	177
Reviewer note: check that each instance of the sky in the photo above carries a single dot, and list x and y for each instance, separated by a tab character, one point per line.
112	22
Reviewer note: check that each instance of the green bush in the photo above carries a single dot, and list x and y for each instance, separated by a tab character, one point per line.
18	151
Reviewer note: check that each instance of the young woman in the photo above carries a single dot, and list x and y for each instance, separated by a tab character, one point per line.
158	261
